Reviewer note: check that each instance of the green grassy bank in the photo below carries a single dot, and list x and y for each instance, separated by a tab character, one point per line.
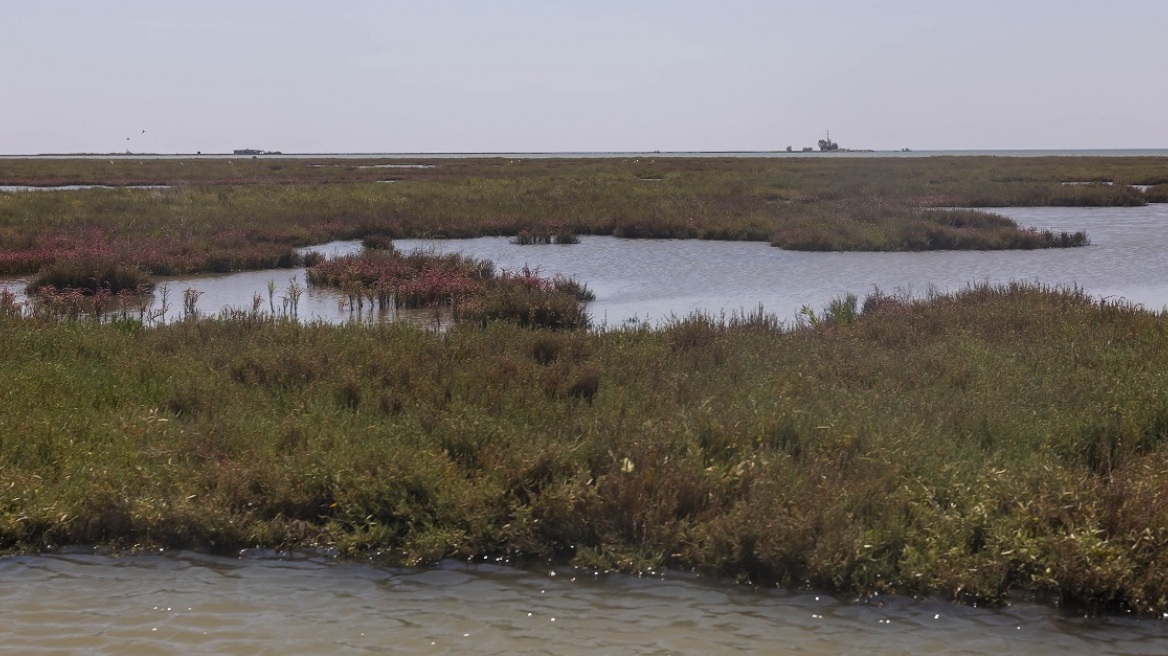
996	439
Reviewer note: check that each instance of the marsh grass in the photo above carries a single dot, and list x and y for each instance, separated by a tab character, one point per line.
90	276
996	439
531	307
1157	193
890	227
471	288
545	236
221	216
392	279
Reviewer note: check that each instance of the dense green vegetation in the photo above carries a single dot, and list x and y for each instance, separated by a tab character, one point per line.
996	439
221	215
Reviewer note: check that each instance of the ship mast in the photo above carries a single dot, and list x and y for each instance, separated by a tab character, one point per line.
827	145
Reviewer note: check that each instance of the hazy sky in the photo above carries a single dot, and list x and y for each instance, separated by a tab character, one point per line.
527	75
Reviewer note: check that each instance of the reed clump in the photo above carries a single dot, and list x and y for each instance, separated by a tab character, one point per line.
472	288
91	275
545	236
377	241
531	307
386	277
966	444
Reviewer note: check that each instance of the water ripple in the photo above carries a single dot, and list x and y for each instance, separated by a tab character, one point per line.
193	603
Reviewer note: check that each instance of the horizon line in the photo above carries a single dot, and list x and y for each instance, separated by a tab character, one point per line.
565	152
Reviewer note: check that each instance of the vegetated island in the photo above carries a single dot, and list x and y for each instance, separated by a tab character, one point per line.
986	443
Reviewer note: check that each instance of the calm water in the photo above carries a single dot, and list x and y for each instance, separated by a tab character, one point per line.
190	603
652	280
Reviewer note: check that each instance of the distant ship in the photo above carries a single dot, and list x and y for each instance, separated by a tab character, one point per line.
253	151
827	145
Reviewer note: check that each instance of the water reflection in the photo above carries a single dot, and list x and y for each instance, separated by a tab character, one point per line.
186	602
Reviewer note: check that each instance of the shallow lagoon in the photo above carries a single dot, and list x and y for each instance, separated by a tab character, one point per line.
192	603
654	279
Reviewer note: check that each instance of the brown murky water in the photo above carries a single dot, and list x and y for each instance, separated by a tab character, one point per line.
189	603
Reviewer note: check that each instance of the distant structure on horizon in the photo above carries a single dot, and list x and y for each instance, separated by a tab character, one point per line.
254	151
827	145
